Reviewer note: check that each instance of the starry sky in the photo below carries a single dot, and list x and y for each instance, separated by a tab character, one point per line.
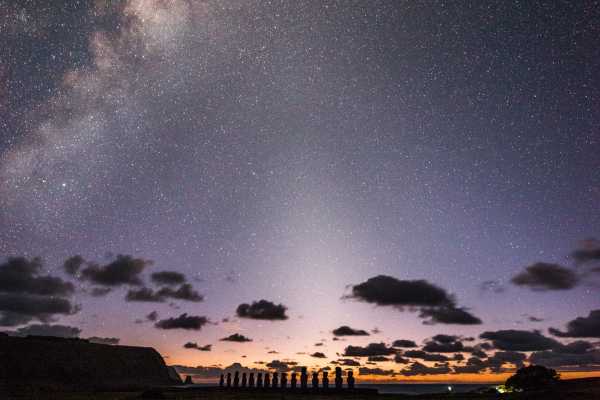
293	151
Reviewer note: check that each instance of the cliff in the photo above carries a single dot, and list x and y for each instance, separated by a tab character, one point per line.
76	364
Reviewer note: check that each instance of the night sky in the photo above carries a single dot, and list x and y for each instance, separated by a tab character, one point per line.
402	168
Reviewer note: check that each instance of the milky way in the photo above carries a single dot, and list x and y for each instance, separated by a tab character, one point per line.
292	151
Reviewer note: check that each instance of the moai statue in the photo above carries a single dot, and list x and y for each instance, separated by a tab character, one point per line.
229	379
275	382
267	380
338	378
350	379
325	380
188	380
222	381
303	379
283	380
236	379
259	381
293	381
251	380
244	380
315	380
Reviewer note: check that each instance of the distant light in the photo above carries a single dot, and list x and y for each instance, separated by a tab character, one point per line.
449	388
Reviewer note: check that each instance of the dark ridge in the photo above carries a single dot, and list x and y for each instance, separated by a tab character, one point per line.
60	364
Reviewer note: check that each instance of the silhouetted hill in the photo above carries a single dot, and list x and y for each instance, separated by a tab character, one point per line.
77	364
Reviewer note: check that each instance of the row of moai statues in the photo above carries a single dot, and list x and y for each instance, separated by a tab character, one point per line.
265	381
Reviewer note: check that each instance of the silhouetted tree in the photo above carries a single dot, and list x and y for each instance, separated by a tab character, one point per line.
533	377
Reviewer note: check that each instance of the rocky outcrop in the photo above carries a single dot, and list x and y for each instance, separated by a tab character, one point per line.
76	364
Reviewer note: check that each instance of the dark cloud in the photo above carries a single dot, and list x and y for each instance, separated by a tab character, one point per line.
479	353
124	270
22	276
236	337
348	362
184	292
516	340
581	327
576	347
193	345
153	316
398	359
404	343
496	362
184	321
26	295
544	276
73	264
443	344
435	347
281	366
576	354
449	315
167	278
423	355
443	338
262	309
345	330
434	302
47	330
143	294
417	368
589	251
272	352
376	371
17	309
378	359
388	291
473	365
372	349
532	318
318	354
104	340
100	291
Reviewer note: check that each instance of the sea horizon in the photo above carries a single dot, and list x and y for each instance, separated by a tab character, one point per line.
406	387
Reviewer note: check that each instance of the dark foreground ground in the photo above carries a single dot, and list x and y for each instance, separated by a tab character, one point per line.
580	389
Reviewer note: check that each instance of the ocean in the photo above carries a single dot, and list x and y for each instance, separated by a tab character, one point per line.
422	388
410	388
